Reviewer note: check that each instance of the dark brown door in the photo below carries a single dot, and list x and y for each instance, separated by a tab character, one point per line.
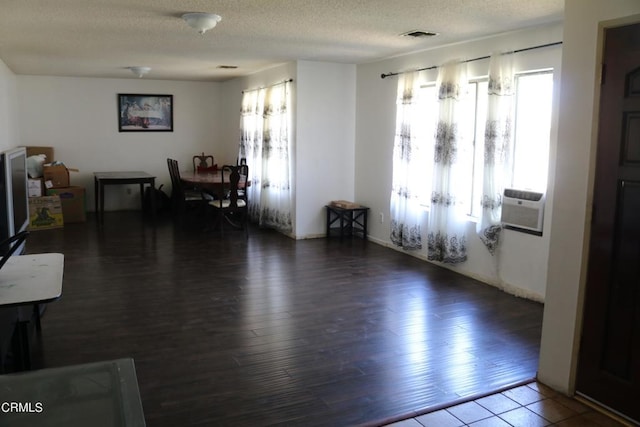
609	361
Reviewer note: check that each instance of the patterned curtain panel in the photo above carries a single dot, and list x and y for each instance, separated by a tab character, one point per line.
265	142
276	193
251	131
452	170
497	148
409	166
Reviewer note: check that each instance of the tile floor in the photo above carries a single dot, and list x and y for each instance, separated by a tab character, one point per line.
530	405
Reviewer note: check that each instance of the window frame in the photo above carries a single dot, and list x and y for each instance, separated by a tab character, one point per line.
475	185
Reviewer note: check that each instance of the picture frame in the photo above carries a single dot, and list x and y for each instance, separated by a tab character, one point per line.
145	113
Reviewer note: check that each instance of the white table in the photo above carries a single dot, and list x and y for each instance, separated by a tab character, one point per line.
29	280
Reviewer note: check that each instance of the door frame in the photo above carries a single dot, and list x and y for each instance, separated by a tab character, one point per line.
593	148
564	305
596	148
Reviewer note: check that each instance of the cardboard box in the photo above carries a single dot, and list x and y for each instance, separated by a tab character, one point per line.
73	203
47	151
56	176
45	213
35	187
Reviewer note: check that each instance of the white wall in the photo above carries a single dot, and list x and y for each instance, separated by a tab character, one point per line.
79	118
325	142
9	133
574	183
520	267
324	134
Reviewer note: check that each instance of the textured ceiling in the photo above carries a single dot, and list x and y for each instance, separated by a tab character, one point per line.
100	38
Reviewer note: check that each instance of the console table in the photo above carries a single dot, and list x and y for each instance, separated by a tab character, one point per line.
351	221
120	178
96	394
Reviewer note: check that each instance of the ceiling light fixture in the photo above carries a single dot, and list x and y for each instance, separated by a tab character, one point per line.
140	71
419	33
202	22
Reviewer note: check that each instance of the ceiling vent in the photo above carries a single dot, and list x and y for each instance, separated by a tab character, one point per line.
419	34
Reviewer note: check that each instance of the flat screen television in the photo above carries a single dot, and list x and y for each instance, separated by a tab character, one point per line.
14	203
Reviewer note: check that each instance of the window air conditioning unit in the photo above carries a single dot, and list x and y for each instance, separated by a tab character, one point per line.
523	210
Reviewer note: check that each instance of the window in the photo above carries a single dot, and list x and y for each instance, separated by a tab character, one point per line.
480	97
532	129
532	125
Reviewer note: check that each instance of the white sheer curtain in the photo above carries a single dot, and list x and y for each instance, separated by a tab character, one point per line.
446	241
409	165
251	125
497	148
265	141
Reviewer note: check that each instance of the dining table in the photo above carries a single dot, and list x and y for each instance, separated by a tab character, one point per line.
101	179
211	181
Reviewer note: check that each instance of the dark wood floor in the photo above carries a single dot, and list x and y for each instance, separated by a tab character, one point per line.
272	331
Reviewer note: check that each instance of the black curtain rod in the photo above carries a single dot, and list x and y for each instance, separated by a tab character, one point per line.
433	67
264	87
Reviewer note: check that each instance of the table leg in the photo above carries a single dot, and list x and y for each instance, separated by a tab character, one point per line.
328	220
153	200
36	315
23	345
364	221
101	185
96	196
141	197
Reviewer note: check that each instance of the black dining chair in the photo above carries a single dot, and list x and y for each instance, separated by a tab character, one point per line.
234	208
204	163
183	200
243	170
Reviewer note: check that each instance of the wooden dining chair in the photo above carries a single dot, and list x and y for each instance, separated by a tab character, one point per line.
183	199
204	163
233	209
243	170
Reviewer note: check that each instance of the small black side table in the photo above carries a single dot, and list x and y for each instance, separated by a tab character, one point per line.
352	221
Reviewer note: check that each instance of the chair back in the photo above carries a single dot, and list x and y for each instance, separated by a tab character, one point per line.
184	198
232	177
204	163
243	170
234	207
177	192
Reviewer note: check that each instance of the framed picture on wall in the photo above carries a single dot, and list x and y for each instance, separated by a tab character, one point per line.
145	113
